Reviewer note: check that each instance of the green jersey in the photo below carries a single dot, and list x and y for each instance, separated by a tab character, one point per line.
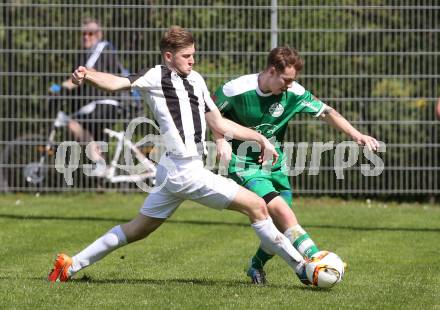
242	101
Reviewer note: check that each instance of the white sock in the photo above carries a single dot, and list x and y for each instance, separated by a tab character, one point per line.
109	242
294	232
275	242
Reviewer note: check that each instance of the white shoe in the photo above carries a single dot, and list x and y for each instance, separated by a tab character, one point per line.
62	119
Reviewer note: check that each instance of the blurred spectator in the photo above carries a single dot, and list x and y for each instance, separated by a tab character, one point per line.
102	109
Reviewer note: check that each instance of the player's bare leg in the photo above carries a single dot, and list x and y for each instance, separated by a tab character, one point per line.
140	227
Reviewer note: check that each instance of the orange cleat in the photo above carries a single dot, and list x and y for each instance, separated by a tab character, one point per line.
59	273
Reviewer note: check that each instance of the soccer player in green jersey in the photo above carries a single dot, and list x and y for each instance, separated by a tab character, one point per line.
266	102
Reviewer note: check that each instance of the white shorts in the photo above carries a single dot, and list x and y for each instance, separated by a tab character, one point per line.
186	179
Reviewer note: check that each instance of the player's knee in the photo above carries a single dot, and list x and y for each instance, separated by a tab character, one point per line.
258	210
278	206
250	204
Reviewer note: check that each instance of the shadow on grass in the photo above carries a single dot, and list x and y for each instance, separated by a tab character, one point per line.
199	282
209	223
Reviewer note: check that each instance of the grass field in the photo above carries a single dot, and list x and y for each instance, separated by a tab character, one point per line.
196	260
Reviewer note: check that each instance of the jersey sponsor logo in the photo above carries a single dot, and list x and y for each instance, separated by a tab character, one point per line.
276	109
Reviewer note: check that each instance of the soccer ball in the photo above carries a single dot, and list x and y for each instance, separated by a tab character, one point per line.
325	269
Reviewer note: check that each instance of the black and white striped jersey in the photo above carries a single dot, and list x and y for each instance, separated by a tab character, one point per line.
179	105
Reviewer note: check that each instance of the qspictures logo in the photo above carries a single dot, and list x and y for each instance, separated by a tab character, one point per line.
346	155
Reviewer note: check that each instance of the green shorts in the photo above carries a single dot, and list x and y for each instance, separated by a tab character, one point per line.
263	183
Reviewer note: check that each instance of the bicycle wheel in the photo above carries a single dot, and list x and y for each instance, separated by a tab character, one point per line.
25	164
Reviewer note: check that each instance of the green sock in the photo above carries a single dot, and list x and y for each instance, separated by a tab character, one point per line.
301	241
305	245
260	258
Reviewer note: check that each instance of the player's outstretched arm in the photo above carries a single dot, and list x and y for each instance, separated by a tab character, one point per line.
227	127
102	80
336	120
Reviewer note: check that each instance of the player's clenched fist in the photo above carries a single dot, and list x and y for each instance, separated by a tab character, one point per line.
78	75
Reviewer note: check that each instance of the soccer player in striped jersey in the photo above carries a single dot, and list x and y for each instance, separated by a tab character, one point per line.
266	102
182	106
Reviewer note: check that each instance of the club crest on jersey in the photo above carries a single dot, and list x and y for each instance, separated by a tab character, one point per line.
276	109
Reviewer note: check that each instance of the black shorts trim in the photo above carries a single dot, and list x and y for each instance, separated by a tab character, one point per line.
268	197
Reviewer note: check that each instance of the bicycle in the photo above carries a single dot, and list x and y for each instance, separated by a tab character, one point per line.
28	163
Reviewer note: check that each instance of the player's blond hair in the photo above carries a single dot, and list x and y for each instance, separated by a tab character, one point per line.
176	38
284	56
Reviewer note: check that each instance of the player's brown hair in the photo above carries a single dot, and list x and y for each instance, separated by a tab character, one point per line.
284	56
174	39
